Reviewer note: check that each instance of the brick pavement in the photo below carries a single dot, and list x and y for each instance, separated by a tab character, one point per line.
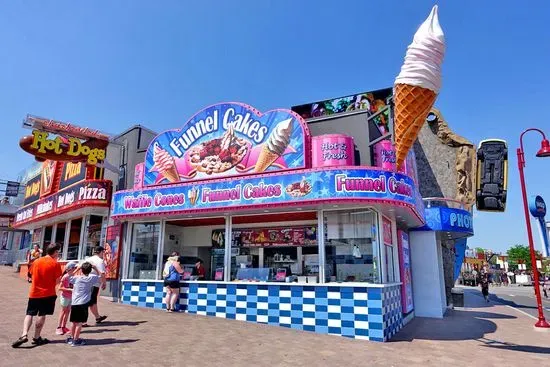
492	335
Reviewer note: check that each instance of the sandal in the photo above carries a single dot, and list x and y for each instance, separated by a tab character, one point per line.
22	340
100	319
40	341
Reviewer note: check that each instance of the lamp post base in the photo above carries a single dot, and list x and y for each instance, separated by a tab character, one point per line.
542	325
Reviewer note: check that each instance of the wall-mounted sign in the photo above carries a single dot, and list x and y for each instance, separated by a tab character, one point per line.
448	220
305	186
228	139
139	175
71	174
112	251
32	190
58	141
537	207
92	192
272	237
47	177
332	150
405	268
12	188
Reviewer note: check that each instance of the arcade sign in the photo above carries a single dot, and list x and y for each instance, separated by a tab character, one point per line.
228	139
58	141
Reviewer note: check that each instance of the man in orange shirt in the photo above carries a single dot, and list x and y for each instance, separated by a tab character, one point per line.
46	272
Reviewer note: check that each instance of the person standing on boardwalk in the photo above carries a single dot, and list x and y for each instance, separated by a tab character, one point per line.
98	269
33	255
45	272
484	282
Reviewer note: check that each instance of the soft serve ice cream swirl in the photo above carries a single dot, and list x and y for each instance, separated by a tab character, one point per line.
280	137
163	160
422	66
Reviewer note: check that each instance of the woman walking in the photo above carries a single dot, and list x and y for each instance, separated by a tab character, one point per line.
172	274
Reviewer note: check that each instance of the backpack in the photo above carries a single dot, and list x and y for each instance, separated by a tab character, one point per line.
166	270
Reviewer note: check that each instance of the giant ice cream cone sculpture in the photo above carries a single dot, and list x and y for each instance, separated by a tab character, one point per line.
275	146
417	85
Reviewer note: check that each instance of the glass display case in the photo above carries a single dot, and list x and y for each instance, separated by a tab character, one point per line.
254	274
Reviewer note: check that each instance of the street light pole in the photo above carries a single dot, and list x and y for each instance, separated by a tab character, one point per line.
543	152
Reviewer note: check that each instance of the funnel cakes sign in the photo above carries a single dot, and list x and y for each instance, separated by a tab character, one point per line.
228	139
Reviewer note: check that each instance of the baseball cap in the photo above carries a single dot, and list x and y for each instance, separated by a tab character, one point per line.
71	265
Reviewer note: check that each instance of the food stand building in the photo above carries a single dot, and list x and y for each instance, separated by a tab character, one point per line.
307	232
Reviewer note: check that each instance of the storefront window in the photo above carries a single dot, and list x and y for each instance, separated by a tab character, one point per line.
74	239
93	234
351	246
36	237
60	235
389	263
144	249
276	254
48	235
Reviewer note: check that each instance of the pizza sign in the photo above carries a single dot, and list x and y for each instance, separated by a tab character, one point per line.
228	139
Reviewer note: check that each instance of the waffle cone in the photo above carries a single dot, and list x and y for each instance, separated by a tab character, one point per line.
411	107
266	158
171	174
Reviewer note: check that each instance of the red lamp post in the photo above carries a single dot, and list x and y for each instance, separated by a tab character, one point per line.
543	152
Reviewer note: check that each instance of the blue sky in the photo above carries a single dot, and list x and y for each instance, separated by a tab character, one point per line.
110	64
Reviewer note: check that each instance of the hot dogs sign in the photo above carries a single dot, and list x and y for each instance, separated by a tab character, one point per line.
225	140
72	143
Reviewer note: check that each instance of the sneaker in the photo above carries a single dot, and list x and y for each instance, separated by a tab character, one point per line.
70	340
40	341
66	330
100	319
78	342
59	331
22	340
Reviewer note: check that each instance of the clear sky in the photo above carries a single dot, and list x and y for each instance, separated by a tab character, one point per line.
111	64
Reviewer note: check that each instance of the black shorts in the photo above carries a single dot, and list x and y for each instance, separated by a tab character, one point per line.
93	300
174	284
79	313
41	306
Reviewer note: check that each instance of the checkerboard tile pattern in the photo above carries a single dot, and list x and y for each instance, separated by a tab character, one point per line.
150	294
355	312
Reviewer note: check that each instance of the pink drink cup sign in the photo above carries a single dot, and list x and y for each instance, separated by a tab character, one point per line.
384	153
332	150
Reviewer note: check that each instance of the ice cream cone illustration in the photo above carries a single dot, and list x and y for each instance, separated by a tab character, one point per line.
193	195
165	164
417	85
275	146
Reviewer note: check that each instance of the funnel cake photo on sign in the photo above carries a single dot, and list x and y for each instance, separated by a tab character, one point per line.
299	189
220	154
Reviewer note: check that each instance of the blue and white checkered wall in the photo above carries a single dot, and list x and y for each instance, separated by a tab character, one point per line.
372	313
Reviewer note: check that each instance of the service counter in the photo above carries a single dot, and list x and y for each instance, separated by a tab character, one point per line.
355	310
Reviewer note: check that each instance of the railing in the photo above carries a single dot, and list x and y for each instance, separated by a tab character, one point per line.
449	203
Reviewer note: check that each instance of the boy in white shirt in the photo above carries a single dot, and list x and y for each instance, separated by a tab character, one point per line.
99	269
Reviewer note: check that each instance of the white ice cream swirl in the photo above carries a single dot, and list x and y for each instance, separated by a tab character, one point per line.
280	137
422	66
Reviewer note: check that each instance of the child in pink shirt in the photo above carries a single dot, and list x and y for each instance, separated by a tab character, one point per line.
66	289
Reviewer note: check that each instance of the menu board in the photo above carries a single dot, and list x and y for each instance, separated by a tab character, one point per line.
271	237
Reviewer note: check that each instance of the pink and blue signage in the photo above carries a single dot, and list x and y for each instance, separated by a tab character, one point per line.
228	139
405	270
311	186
